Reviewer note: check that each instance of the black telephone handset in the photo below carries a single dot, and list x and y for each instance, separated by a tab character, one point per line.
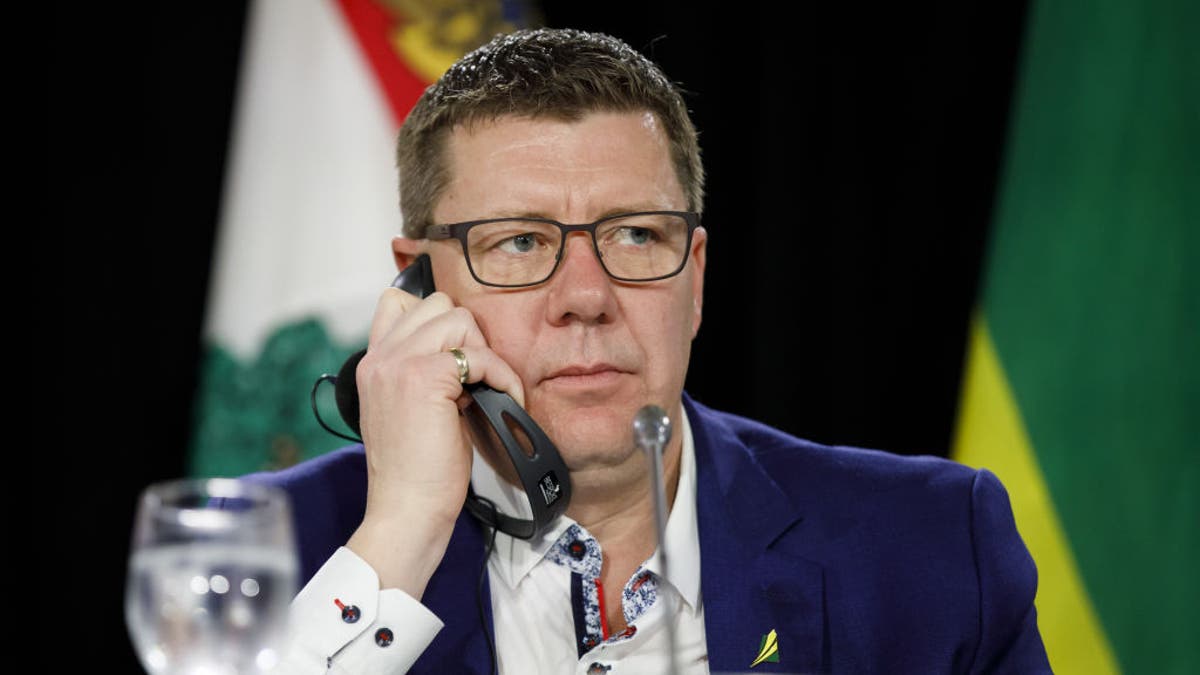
493	416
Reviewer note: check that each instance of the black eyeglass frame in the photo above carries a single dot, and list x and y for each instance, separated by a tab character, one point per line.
459	231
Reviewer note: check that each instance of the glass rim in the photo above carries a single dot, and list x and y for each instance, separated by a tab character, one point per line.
161	500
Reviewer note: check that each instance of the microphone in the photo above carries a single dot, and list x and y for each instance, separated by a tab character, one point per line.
651	428
651	431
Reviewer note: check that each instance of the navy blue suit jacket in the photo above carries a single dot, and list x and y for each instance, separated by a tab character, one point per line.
861	561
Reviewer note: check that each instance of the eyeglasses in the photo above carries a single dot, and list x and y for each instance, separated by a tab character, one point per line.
514	252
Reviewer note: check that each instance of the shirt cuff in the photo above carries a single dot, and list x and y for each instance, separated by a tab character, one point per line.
323	638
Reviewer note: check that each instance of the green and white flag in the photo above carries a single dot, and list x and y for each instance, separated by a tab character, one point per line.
310	206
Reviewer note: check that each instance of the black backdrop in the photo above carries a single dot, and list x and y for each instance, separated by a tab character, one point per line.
852	155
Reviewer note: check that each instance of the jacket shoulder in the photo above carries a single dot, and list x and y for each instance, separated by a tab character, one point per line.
876	507
328	499
796	462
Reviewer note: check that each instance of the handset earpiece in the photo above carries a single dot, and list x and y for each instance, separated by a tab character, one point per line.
540	467
417	278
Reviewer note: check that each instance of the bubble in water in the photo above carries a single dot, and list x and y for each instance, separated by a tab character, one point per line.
219	584
249	587
199	585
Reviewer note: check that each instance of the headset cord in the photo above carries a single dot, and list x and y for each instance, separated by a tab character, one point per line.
487	634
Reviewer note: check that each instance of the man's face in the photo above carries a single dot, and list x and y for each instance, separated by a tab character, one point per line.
590	350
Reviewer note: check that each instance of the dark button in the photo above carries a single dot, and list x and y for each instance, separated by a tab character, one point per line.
350	613
598	668
383	637
577	549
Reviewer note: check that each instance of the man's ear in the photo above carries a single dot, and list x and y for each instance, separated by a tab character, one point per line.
699	255
404	251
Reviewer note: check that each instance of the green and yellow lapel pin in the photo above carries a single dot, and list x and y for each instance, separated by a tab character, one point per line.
768	649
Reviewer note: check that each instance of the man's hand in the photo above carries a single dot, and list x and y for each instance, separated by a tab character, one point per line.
417	445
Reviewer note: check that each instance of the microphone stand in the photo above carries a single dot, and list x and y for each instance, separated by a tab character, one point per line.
651	431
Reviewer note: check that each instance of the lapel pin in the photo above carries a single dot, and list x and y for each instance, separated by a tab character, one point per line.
768	649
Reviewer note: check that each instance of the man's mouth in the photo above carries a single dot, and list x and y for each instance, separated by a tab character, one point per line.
589	375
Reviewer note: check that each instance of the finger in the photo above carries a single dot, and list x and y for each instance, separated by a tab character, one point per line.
485	365
400	310
454	327
426	311
463	402
392	304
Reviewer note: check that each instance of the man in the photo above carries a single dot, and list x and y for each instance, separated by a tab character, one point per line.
785	556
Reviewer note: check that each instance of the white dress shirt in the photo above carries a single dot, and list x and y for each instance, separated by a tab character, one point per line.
531	581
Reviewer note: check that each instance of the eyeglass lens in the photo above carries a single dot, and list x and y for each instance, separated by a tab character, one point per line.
634	247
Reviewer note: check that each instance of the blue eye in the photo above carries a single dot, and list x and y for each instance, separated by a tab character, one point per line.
522	243
631	235
639	235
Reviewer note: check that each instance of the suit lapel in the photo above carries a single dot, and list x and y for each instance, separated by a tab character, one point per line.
749	587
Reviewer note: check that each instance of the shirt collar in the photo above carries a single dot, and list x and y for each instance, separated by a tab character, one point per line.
515	558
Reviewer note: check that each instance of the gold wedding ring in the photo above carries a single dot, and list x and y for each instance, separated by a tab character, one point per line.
460	360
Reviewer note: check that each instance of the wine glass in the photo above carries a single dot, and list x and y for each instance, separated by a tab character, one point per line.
212	570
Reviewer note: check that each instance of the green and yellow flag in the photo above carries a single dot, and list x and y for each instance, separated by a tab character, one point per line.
1082	389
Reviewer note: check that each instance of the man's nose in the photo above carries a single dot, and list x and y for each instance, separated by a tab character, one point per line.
580	289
